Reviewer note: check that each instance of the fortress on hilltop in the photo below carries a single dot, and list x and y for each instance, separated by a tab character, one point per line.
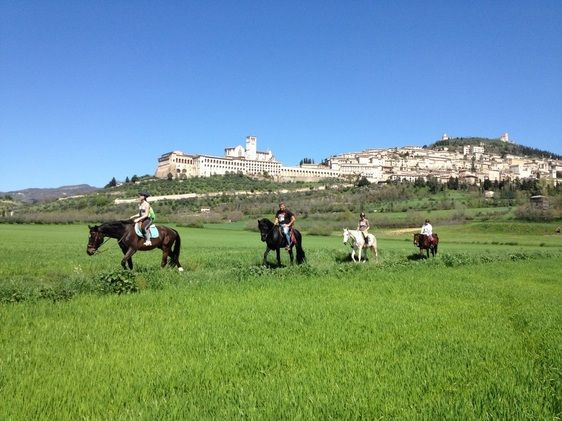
471	164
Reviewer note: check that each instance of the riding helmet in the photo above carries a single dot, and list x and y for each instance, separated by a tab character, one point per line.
143	193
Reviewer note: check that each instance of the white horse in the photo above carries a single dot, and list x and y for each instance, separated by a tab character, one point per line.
358	243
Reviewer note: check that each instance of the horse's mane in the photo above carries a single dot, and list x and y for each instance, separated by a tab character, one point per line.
267	222
119	223
115	227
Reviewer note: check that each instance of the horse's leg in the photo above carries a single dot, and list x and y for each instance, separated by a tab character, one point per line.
128	258
165	255
278	253
353	254
128	261
267	250
291	254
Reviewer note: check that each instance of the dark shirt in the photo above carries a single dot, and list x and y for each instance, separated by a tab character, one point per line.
284	217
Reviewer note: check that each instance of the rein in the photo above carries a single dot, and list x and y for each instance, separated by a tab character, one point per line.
98	251
105	240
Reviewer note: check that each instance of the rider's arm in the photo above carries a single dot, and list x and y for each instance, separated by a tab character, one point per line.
143	214
292	222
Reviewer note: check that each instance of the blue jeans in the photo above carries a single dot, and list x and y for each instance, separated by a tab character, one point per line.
286	231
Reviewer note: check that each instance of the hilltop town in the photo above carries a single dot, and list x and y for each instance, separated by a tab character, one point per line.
471	160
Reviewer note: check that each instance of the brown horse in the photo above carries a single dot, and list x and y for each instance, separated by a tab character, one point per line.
168	241
423	242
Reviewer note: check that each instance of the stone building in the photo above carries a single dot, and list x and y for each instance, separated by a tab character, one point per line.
472	165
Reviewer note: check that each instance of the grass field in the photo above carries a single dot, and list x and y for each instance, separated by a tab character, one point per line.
475	333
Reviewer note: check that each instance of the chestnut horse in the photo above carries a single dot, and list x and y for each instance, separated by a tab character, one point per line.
168	241
423	242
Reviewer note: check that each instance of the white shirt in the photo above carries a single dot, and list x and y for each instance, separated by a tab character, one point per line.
427	229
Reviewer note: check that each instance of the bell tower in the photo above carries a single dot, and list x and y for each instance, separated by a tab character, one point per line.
251	151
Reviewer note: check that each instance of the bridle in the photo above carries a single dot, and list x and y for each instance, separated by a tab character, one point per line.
97	244
269	232
350	238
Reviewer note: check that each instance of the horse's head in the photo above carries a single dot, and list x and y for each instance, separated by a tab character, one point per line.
95	240
265	226
417	240
345	235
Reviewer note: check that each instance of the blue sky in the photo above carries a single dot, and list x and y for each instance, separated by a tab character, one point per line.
91	90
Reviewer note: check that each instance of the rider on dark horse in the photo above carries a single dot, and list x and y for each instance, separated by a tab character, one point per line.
143	218
286	220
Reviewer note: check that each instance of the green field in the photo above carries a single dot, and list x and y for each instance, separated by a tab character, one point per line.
475	333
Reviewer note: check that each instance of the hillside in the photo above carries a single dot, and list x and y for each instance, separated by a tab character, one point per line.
321	207
34	195
493	146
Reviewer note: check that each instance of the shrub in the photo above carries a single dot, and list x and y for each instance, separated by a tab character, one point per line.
117	282
320	229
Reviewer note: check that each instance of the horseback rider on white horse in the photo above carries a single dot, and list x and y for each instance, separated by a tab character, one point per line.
364	226
358	243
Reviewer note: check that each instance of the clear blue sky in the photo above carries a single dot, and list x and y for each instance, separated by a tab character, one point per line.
91	90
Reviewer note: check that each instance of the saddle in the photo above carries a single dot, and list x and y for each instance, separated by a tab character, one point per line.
431	241
152	228
291	234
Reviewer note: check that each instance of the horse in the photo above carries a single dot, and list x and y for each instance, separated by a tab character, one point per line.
275	239
168	241
357	242
423	242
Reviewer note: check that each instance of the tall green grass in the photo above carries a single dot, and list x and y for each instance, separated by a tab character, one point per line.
474	333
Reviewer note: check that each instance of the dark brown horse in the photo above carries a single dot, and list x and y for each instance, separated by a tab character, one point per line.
424	242
274	239
168	241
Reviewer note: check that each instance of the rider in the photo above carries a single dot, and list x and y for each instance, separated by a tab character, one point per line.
427	229
286	219
364	226
143	217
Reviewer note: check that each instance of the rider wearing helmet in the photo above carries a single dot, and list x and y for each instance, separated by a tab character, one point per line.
143	217
364	226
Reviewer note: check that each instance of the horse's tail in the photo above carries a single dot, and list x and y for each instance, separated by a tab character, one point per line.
436	242
374	246
301	257
176	250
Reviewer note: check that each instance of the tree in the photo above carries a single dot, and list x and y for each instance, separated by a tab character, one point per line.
134	178
419	182
362	181
453	183
112	183
487	185
433	184
127	180
306	161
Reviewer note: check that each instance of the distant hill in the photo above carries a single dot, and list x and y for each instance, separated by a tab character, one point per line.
34	195
493	146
